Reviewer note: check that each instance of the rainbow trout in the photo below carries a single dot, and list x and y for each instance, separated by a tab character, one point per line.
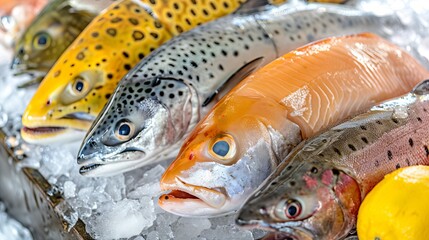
80	83
50	33
160	101
316	191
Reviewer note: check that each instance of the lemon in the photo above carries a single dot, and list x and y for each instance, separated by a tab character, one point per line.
398	207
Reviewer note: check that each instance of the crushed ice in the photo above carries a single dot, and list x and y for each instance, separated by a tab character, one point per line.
125	206
10	229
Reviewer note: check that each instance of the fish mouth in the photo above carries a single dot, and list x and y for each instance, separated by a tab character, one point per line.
70	127
109	166
189	200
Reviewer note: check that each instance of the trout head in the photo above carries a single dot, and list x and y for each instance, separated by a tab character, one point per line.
141	122
47	37
304	200
226	157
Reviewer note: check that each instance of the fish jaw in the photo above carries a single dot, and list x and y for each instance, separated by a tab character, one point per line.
186	198
40	130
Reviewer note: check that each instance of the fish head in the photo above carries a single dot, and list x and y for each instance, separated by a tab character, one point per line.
137	125
82	80
47	37
306	201
226	157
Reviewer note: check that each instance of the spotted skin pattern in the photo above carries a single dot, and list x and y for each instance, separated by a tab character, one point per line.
166	94
106	50
362	150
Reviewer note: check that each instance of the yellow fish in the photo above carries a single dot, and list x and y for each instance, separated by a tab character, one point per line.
82	80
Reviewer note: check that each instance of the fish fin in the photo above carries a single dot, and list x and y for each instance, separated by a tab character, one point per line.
253	6
235	78
422	88
32	82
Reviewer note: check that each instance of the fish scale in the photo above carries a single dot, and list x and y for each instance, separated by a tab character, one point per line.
201	65
79	84
362	150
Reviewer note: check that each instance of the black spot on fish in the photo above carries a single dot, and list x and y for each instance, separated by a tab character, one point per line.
337	151
111	31
107	96
127	66
379	122
292	183
411	142
398	166
289	168
395	120
353	148
314	170
363	127
141	55
116	20
95	34
80	56
98	47
336	172
364	139
137	35
133	21
419	119
125	54
154	35
389	155
407	161
109	76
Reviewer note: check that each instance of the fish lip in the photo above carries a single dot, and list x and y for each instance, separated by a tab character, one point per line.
90	163
202	194
110	158
88	168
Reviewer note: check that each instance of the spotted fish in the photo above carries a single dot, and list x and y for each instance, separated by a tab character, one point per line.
78	86
48	36
158	103
317	190
246	135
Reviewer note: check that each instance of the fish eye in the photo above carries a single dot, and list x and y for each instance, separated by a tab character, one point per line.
288	210
42	40
223	147
79	85
124	130
293	209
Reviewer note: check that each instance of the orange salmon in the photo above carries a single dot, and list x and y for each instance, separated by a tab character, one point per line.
245	136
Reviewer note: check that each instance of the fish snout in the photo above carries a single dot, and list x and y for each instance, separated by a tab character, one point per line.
88	151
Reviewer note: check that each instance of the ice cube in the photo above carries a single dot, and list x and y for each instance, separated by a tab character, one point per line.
69	189
122	219
69	215
190	228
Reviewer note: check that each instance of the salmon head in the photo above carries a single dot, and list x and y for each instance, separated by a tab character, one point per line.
80	83
304	198
226	157
48	36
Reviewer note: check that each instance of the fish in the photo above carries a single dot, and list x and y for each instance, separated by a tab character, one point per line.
247	134
78	86
50	33
15	16
160	101
316	191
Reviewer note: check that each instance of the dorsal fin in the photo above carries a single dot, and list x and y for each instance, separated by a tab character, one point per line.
252	6
422	88
235	78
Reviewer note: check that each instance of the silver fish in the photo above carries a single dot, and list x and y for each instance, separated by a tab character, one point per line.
317	190
160	101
